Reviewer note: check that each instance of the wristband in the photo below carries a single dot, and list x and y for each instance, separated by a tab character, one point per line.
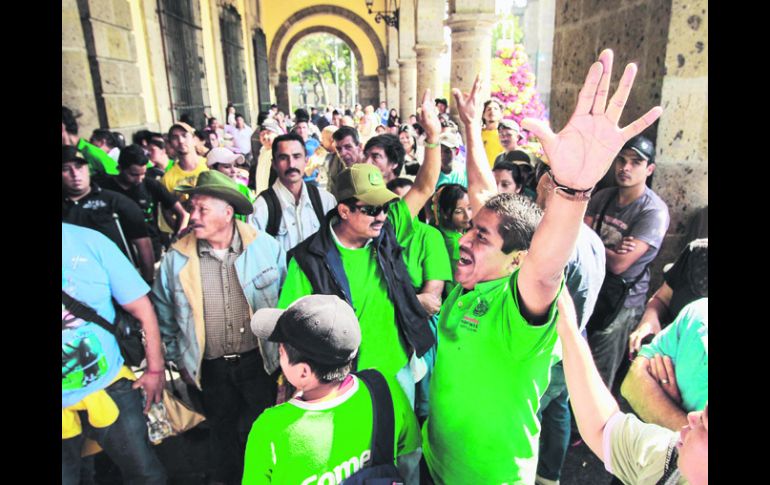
431	145
568	192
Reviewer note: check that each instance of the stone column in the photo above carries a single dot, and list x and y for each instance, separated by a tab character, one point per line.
471	53
274	78
369	90
282	94
428	69
407	86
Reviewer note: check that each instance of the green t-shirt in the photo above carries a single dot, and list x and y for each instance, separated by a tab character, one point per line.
98	160
425	255
382	347
322	442
491	370
247	192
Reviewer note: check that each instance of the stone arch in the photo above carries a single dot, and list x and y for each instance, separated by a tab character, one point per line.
368	86
283	74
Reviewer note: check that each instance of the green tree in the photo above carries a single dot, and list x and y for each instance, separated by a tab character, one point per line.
321	61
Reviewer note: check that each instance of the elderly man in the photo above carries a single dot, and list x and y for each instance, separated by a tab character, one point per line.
267	133
501	317
349	151
357	255
291	210
210	283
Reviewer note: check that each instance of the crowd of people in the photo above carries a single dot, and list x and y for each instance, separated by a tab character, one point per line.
352	295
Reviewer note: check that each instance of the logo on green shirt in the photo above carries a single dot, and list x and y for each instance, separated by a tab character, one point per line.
481	309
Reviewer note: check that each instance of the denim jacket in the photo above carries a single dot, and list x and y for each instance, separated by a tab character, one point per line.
178	296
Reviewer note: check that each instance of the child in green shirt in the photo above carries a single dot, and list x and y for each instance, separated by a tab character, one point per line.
324	433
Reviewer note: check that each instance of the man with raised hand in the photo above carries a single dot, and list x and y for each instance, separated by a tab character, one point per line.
498	326
357	255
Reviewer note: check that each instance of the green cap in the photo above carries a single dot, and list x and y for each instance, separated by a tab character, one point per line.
216	184
364	182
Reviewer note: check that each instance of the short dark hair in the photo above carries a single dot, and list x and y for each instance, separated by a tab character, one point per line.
69	120
157	140
141	136
448	196
240	115
399	183
105	136
487	103
132	155
344	131
520	173
441	101
335	112
392	147
519	217
301	113
262	116
120	140
287	137
325	373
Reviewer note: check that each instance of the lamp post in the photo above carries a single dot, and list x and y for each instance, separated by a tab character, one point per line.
390	17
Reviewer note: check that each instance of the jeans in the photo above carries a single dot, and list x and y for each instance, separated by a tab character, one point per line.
234	395
125	441
609	345
554	416
423	387
406	381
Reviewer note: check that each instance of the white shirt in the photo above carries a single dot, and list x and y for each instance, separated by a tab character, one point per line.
241	138
298	221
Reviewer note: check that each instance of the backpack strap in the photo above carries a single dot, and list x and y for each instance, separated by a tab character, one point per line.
273	211
383	421
86	313
315	200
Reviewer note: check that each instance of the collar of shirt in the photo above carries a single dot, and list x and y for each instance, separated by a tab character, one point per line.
285	195
95	190
204	247
336	239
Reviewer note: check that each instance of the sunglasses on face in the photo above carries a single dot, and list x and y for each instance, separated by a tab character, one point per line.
370	210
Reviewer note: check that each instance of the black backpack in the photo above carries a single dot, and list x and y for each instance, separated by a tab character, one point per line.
380	470
274	207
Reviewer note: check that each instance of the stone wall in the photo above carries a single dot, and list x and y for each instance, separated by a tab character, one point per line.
682	146
668	41
111	50
77	86
636	30
369	91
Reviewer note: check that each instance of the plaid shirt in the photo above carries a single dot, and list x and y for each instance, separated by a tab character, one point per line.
225	309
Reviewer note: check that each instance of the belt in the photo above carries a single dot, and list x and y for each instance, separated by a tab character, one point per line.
235	359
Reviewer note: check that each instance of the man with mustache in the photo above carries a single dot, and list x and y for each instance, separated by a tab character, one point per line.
357	255
291	210
497	330
210	283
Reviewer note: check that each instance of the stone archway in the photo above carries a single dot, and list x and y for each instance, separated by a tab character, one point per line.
368	86
283	76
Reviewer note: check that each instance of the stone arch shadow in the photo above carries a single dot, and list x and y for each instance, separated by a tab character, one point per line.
368	86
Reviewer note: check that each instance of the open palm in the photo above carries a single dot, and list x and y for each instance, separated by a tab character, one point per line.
581	153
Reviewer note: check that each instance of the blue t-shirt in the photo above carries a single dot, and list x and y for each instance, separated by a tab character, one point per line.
93	271
686	342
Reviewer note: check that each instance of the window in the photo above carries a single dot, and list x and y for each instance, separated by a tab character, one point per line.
183	48
235	72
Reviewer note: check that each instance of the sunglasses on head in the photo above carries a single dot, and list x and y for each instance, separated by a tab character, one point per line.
370	210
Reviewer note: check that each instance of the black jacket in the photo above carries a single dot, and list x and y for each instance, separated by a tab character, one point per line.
318	257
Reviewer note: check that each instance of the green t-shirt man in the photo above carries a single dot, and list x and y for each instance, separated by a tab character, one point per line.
322	442
382	346
425	255
98	160
491	370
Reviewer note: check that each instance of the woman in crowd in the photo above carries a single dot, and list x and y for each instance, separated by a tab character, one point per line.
493	113
408	138
452	216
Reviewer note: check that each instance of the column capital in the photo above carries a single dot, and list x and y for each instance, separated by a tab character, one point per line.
467	22
407	62
430	50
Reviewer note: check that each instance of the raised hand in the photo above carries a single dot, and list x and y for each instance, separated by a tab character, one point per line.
429	118
467	104
581	153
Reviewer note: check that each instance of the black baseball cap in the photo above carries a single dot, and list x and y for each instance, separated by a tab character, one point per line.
70	153
643	146
322	327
